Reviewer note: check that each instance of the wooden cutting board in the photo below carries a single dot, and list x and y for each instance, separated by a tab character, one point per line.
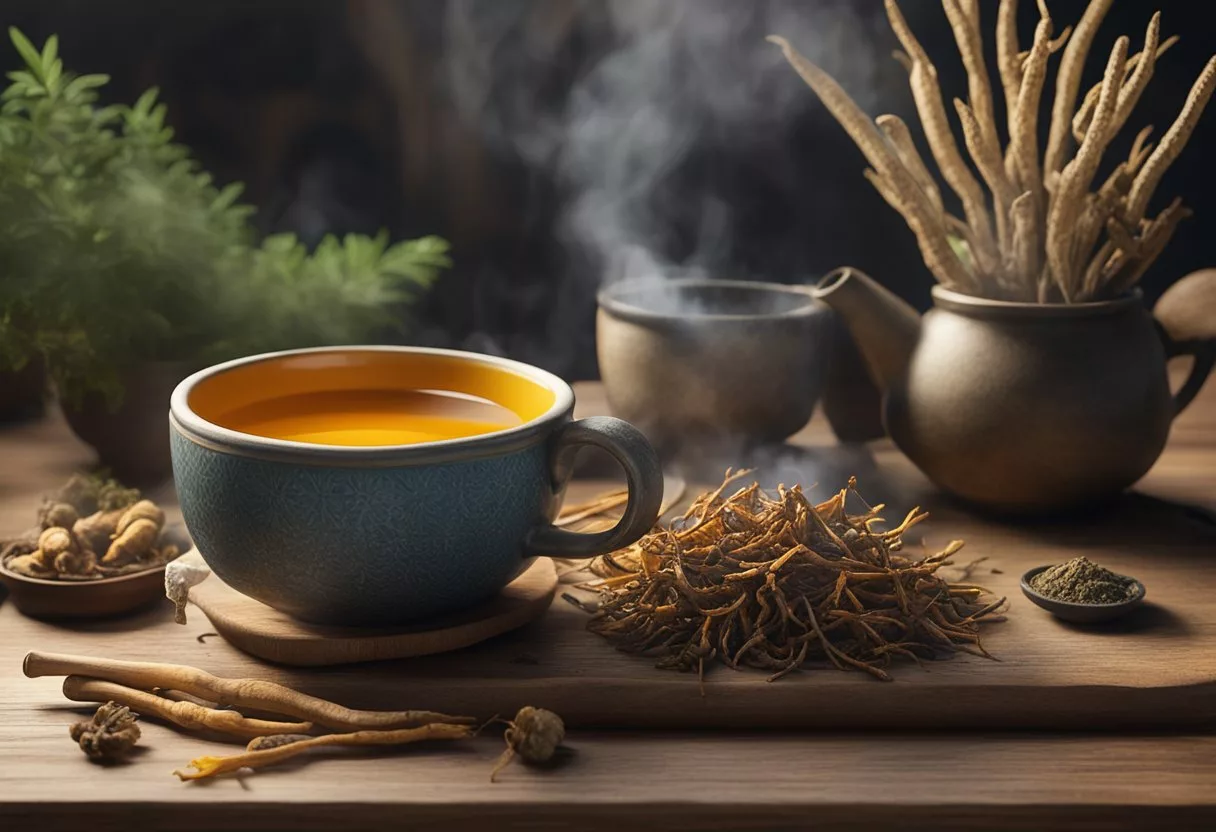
1155	669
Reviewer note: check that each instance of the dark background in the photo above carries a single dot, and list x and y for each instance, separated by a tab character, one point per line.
461	118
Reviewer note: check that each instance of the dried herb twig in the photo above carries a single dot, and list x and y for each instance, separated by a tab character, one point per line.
271	753
188	715
255	694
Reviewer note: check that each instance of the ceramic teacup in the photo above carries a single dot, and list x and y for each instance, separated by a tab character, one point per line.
361	518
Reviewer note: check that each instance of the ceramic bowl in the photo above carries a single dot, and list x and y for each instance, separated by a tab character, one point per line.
1079	613
384	534
696	363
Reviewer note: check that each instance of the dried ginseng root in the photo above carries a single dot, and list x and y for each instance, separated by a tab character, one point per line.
255	694
266	751
774	582
534	735
109	735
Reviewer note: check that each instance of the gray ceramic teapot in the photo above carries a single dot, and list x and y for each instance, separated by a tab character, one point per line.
1029	408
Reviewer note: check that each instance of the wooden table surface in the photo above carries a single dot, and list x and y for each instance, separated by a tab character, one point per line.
701	780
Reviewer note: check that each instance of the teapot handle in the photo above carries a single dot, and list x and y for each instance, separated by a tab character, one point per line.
1186	317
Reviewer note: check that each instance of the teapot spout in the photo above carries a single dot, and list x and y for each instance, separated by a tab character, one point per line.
883	326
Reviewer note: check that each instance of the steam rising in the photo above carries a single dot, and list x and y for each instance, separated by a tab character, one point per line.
671	78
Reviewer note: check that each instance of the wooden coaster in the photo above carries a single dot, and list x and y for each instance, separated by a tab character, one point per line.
265	632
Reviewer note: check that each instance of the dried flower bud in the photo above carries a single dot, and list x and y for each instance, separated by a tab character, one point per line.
534	735
109	735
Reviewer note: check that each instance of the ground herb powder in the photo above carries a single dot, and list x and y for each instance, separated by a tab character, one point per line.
1081	581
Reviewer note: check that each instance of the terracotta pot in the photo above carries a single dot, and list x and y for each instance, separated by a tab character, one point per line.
23	392
132	441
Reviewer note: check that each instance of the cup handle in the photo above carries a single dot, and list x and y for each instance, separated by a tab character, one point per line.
643	476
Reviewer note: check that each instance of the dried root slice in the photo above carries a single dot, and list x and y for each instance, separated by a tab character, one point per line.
254	694
1068	83
205	767
187	715
1171	143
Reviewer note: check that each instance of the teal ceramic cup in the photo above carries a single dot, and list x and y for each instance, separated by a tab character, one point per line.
297	491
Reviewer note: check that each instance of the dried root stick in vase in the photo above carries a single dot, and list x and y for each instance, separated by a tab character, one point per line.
1036	229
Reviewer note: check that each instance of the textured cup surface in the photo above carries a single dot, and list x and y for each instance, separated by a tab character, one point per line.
376	535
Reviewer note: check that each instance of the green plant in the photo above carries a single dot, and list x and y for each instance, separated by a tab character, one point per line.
116	248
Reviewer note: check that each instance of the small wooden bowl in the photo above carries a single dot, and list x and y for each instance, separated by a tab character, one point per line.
104	597
1080	613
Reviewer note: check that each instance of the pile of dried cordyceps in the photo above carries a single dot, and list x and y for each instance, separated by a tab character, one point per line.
753	580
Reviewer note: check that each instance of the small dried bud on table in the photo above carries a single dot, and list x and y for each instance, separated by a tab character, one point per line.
534	735
109	735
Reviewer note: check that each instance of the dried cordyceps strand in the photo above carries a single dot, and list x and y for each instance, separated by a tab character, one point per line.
109	735
205	767
803	583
